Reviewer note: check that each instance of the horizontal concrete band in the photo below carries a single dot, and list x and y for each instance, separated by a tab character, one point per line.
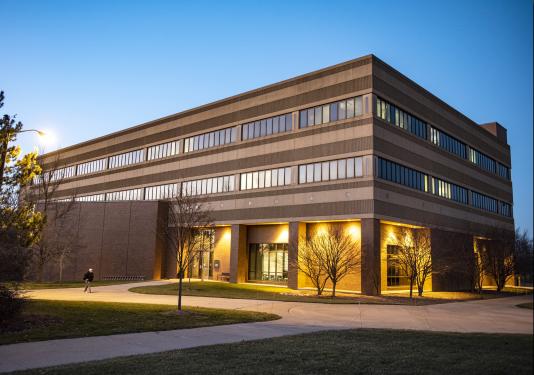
485	142
463	177
213	123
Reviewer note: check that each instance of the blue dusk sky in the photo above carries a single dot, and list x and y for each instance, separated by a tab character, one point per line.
82	69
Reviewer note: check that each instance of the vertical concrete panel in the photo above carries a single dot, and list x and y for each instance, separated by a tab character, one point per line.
90	239
115	239
141	255
238	254
297	231
370	269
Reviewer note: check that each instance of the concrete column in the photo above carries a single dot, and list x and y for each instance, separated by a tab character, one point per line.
238	254
370	252
296	231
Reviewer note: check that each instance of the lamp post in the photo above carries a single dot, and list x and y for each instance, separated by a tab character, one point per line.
3	150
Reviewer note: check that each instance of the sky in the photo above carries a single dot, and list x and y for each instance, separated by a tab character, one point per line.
82	69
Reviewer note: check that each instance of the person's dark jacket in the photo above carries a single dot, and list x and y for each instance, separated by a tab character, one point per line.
89	276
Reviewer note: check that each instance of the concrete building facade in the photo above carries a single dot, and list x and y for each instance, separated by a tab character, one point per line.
357	144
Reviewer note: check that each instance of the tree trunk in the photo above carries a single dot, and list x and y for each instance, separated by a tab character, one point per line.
333	290
411	287
61	268
420	290
181	276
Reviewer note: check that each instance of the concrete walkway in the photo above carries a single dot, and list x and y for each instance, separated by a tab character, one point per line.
489	316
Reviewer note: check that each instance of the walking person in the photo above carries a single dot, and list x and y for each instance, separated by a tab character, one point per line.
88	278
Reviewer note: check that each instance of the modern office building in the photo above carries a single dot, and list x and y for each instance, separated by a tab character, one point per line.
357	144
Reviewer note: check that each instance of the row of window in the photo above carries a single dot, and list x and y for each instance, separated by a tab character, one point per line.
211	139
414	179
323	114
265	179
449	190
91	166
125	195
396	116
331	170
448	143
213	185
161	191
91	198
268	126
482	160
503	171
126	158
164	150
483	202
402	119
402	175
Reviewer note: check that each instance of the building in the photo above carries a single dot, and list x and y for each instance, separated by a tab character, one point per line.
357	143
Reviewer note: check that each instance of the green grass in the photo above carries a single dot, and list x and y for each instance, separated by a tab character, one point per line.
57	319
274	293
528	305
68	284
334	352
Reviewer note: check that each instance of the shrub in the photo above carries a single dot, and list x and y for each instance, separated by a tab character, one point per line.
11	303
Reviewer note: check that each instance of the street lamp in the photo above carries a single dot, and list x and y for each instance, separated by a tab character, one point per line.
3	150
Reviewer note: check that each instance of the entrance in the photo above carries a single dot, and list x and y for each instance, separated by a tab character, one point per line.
202	265
267	262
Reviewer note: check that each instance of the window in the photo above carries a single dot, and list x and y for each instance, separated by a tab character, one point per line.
268	126
326	113
396	277
268	261
449	190
125	195
161	191
162	151
265	179
206	186
91	167
58	174
482	160
505	209
330	170
91	198
483	202
402	175
211	139
395	116
127	158
448	143
504	171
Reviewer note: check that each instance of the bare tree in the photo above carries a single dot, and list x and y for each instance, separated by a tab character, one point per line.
415	257
188	217
523	257
310	262
342	254
497	253
56	240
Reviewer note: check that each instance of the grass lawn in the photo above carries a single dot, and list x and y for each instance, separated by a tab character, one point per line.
46	320
275	293
336	352
69	284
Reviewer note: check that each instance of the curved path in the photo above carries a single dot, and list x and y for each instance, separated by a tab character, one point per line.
498	315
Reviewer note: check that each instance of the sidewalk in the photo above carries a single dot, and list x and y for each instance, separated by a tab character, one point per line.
489	316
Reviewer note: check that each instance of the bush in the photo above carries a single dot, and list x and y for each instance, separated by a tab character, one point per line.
11	303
